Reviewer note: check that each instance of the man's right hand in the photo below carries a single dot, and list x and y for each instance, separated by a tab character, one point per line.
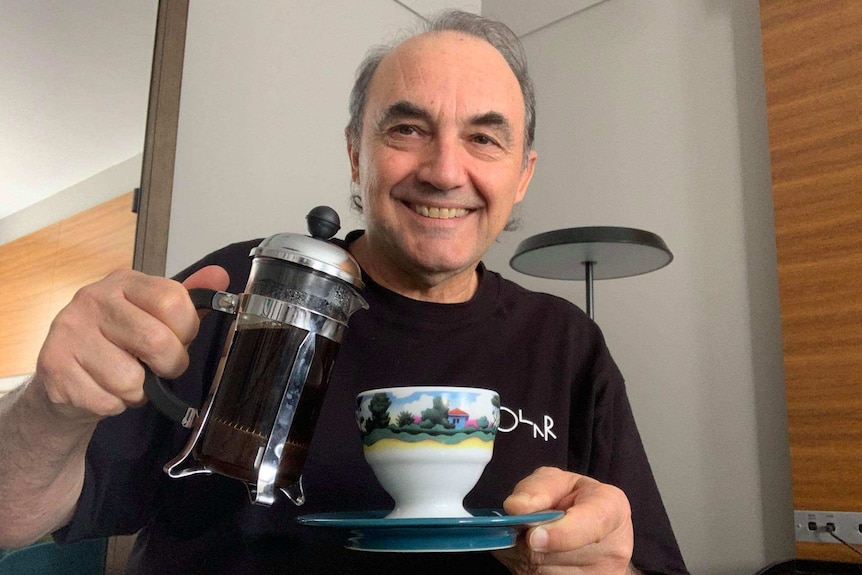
88	369
88	366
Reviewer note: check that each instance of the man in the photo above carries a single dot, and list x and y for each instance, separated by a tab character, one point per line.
440	151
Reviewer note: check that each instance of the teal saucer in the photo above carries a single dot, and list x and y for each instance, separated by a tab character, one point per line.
488	529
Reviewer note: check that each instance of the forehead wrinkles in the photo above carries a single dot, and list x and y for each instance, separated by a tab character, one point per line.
447	72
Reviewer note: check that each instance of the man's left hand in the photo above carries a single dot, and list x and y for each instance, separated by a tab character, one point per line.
594	537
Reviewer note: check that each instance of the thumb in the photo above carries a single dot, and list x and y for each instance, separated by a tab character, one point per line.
212	277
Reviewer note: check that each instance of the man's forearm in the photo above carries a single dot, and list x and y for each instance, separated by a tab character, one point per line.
43	466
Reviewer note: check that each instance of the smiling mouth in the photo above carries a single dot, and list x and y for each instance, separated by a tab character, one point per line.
439	213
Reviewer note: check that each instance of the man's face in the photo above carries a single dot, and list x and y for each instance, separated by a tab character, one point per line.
441	161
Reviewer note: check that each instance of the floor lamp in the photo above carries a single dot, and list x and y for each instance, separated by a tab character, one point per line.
591	253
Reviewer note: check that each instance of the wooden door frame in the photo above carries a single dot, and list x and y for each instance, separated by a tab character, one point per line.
160	140
157	177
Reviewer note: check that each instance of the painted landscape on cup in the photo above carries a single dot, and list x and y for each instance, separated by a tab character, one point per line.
414	415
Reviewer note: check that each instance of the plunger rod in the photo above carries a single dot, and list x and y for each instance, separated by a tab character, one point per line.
589	282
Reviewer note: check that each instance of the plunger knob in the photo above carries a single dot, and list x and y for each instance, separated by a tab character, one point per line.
323	222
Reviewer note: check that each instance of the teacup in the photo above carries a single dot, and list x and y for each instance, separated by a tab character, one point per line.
428	445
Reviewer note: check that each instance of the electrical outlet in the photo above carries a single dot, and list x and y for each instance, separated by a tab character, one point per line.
815	526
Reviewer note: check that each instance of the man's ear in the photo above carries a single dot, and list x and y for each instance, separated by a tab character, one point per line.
353	155
526	176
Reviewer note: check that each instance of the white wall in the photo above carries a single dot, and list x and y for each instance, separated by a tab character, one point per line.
262	115
11	382
74	80
651	115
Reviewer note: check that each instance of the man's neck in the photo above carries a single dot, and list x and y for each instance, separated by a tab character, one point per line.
455	287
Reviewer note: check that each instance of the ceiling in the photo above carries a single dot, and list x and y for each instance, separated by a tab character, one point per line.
74	83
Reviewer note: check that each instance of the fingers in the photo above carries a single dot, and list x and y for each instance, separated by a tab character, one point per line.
73	390
89	361
157	304
599	519
546	488
156	310
595	513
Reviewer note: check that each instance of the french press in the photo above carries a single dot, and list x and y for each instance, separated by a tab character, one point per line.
262	407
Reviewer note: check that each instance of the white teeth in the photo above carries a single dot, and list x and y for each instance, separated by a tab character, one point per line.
440	213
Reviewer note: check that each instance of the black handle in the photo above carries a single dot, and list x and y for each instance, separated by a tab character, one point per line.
162	398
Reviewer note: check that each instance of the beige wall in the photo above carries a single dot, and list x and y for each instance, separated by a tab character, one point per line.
651	115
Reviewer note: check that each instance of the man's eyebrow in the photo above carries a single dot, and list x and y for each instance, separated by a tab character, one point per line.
403	110
494	120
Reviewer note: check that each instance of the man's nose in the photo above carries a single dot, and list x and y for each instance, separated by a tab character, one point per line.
444	164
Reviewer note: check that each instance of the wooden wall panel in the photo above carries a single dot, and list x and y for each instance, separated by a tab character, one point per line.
42	271
25	307
813	64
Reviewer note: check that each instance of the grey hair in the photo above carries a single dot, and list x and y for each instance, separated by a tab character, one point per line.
495	33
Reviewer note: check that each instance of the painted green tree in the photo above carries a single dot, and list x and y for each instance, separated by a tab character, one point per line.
379	408
404	419
437	414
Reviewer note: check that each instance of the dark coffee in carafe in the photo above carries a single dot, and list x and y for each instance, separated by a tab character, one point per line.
254	379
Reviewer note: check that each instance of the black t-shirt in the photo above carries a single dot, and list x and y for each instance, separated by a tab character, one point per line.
563	402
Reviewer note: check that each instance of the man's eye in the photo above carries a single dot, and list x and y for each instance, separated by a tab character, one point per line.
405	130
484	140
